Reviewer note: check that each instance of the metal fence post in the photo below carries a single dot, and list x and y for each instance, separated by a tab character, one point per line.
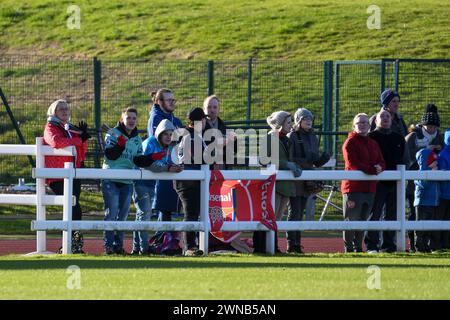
396	73
249	89
97	106
327	101
67	209
210	77
336	108
401	194
383	75
204	210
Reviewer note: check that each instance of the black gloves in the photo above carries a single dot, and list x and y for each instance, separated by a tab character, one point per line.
84	134
324	158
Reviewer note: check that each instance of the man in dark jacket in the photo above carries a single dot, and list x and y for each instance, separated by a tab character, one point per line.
392	147
390	101
211	108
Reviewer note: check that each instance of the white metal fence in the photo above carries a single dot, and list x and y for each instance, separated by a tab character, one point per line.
203	226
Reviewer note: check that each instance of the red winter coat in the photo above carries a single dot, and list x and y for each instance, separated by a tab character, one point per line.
57	137
361	153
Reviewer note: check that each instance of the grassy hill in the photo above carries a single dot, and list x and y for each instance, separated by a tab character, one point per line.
213	29
185	34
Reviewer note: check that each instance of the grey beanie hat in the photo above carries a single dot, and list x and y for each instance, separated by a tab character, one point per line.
302	113
276	119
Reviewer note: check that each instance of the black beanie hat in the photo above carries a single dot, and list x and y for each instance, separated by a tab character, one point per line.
196	114
431	117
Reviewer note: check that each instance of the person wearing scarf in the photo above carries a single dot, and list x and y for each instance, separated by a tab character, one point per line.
281	124
392	147
305	153
60	133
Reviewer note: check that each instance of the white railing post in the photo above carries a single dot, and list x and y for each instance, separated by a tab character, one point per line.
67	210
41	236
204	210
270	235
401	194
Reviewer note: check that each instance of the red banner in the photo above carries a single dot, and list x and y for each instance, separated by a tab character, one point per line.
239	200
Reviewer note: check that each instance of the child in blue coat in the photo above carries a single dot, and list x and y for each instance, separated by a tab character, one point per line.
426	197
442	238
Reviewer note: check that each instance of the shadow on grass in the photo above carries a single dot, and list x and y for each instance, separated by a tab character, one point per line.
188	263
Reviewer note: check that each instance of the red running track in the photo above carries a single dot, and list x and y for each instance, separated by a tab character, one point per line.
95	246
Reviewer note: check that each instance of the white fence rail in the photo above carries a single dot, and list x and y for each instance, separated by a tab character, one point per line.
203	226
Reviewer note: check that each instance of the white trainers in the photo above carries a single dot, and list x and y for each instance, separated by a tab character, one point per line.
372	251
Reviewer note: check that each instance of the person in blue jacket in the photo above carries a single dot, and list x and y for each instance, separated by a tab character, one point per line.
158	148
426	198
442	238
163	108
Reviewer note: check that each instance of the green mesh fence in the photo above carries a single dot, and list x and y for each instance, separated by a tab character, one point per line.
423	82
247	89
31	84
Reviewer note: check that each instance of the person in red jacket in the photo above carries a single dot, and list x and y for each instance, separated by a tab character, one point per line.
360	153
60	133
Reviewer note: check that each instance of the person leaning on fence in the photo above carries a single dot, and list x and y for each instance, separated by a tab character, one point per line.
281	124
305	153
163	108
60	133
159	148
442	238
211	107
123	151
360	153
392	147
426	134
191	157
426	199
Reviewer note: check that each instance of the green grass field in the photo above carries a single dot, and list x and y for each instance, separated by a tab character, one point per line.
226	277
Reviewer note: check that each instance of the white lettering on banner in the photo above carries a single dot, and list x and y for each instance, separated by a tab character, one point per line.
265	212
220	197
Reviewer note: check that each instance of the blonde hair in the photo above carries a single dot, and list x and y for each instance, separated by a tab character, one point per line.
51	111
207	100
358	116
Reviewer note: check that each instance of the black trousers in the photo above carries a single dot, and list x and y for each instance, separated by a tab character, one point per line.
441	239
189	193
58	188
296	209
411	212
424	242
385	196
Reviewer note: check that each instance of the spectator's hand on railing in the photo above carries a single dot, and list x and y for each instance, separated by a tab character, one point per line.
176	168
378	169
296	170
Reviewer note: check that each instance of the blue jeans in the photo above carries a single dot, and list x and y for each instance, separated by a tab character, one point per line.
117	198
143	196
